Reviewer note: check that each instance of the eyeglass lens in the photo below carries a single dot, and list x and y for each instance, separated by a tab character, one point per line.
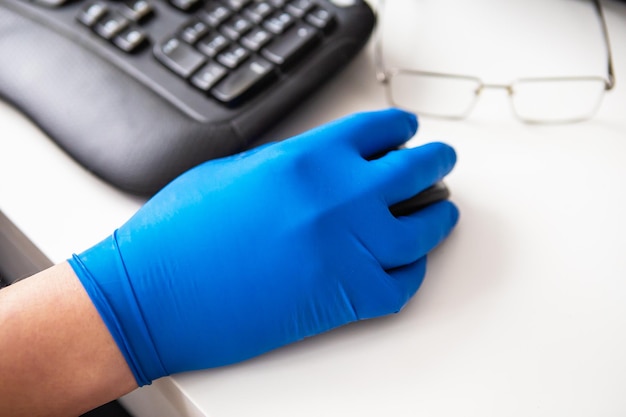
557	100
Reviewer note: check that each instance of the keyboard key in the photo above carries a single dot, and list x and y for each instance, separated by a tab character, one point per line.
91	13
110	25
185	5
233	56
236	27
236	5
137	10
215	14
208	76
256	39
279	22
179	57
299	8
258	11
52	3
252	75
295	42
321	19
212	44
277	3
130	40
193	31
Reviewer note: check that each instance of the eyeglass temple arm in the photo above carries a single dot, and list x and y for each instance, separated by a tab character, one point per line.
381	76
605	32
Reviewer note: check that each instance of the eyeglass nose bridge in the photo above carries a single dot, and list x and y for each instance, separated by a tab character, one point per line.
494	86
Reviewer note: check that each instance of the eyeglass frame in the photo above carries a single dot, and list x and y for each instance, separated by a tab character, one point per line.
384	75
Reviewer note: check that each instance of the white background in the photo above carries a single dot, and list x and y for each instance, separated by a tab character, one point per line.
523	310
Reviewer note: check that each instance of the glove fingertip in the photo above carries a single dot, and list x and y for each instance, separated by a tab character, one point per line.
411	119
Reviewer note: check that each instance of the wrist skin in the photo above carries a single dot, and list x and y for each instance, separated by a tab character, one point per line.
58	358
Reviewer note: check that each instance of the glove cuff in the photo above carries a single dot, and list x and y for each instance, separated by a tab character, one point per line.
102	273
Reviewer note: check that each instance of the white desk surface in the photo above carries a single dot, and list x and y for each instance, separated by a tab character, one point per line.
523	310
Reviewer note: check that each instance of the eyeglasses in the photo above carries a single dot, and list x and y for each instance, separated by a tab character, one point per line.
533	99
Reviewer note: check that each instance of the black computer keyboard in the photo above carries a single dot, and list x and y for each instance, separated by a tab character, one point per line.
210	48
140	90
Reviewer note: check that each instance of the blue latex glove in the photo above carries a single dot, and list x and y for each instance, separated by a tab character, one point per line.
244	254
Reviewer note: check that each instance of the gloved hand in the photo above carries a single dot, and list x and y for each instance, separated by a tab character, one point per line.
244	254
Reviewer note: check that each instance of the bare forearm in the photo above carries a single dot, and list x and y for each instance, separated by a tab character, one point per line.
58	358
